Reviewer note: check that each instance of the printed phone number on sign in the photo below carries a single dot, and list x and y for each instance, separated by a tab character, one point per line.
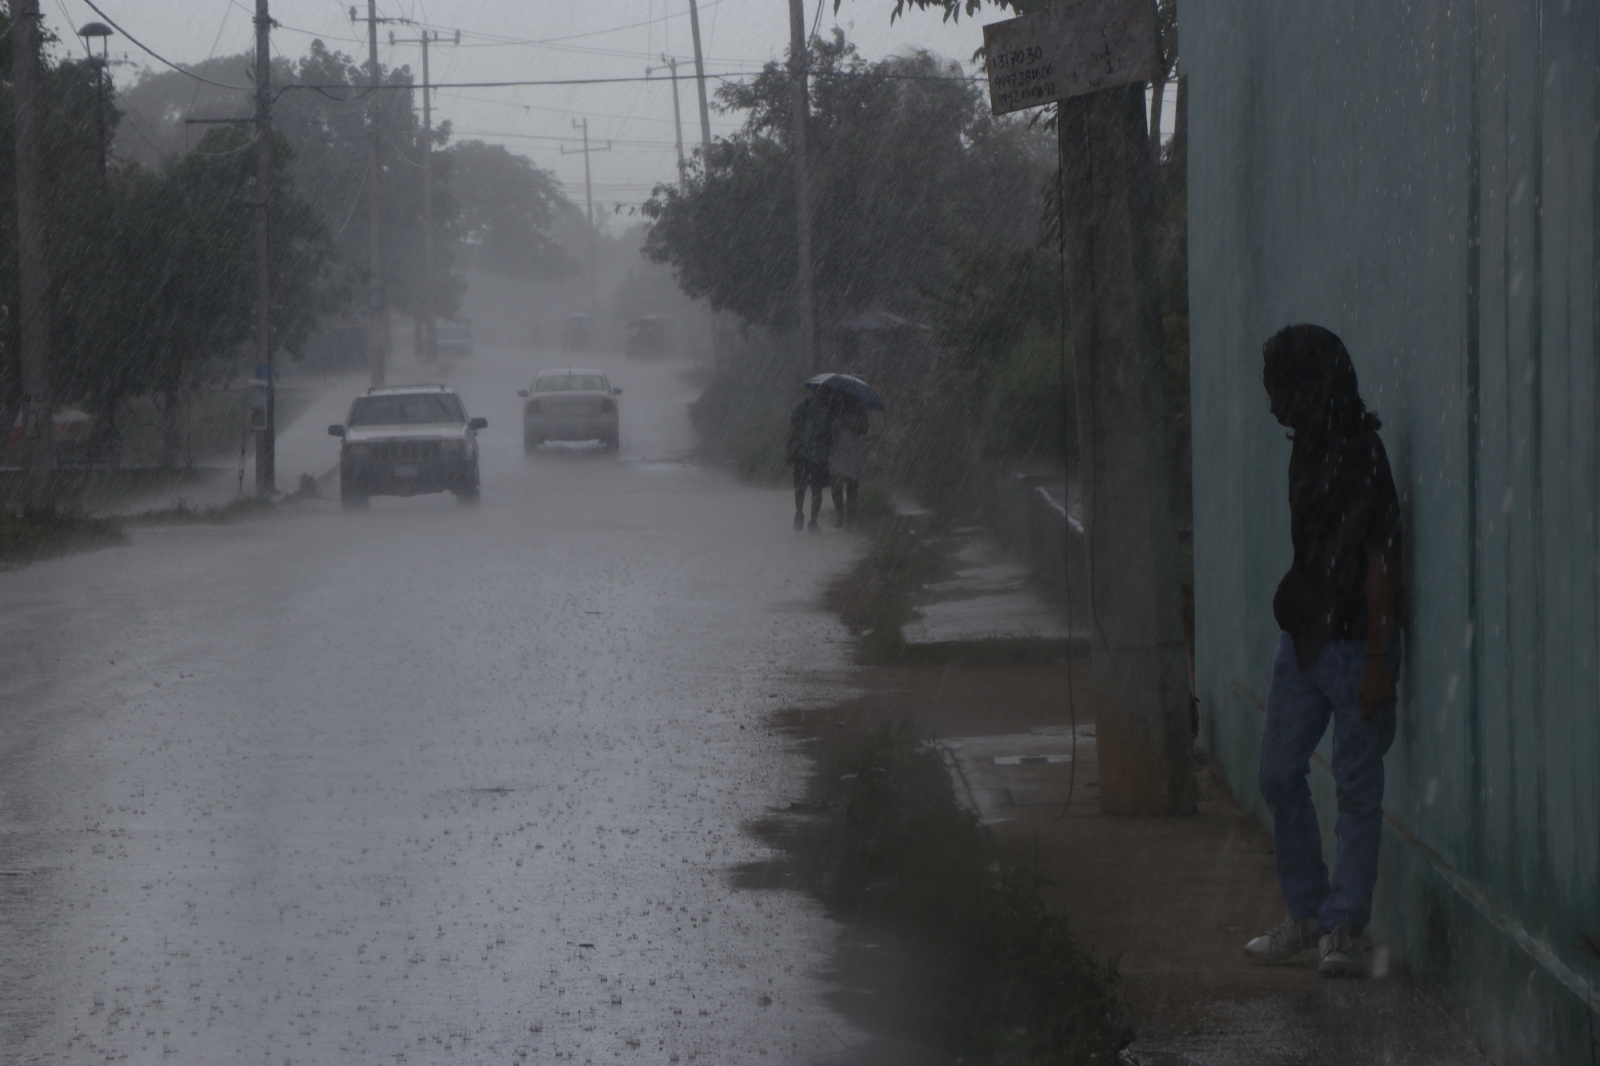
1012	99
1021	79
1015	57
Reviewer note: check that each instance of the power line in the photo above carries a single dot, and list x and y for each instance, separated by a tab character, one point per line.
158	56
731	77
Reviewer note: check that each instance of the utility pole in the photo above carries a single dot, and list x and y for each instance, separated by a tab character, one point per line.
800	107
1094	61
378	350
677	115
424	309
33	263
588	196
267	439
700	79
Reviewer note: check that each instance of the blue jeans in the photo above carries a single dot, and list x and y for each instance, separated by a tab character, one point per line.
1299	705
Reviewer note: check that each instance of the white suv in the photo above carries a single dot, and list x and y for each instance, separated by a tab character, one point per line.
406	440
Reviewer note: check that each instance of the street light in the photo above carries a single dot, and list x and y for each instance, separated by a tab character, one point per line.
87	32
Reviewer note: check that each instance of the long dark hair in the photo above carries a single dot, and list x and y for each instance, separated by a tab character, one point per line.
1310	367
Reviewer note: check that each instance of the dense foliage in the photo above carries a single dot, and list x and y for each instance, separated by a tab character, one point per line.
152	269
906	164
492	210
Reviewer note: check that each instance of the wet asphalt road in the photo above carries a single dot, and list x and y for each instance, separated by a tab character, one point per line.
426	783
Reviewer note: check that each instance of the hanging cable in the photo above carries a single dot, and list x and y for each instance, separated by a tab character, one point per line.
158	56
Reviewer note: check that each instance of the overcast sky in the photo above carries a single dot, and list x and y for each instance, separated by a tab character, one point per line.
527	39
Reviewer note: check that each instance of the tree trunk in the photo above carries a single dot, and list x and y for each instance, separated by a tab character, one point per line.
171	434
1158	99
1180	117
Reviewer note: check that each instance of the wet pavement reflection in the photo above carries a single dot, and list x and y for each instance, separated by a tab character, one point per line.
424	783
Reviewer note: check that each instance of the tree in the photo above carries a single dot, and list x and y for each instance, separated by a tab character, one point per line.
161	289
152	270
507	212
907	163
492	208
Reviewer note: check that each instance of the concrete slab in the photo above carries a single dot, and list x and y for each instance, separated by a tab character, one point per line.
993	616
990	597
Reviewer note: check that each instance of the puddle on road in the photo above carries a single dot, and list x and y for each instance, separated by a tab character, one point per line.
913	890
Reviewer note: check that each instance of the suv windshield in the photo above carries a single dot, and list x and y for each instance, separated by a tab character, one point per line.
406	409
571	383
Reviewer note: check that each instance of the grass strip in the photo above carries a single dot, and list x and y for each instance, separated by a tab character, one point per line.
184	513
25	540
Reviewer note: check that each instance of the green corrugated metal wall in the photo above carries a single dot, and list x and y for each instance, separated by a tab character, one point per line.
1421	178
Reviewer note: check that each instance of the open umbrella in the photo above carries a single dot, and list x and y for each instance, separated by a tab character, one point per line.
846	385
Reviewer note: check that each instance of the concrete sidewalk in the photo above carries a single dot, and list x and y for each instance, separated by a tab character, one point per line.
1171	901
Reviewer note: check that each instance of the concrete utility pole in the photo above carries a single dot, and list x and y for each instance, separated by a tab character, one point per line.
705	131
588	196
33	262
267	439
800	106
377	305
1135	623
700	77
425	302
677	116
430	332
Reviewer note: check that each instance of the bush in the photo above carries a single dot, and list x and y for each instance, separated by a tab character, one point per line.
742	418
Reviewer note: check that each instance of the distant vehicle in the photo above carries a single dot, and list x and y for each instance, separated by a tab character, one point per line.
335	347
577	332
569	405
649	334
453	338
405	440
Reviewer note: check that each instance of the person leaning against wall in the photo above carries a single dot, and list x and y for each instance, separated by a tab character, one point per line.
1338	655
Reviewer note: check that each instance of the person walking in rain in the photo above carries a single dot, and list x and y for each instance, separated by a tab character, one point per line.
1338	654
847	456
810	439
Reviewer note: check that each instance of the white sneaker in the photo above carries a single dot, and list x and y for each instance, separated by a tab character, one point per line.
1285	940
1341	953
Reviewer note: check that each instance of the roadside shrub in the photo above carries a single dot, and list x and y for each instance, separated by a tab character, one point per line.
742	417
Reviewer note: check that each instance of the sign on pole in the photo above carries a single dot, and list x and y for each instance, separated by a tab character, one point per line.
1076	47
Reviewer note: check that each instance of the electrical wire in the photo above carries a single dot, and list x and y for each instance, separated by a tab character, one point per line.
161	58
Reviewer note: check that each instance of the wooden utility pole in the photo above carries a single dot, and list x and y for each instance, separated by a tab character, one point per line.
33	261
1135	631
800	108
267	438
700	78
1096	57
588	198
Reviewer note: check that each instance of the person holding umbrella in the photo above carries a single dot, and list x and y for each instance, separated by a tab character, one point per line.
810	440
847	400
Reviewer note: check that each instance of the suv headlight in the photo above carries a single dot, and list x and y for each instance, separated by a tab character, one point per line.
357	451
452	448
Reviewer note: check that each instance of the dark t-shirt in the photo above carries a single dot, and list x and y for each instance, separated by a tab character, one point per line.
1342	501
811	430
